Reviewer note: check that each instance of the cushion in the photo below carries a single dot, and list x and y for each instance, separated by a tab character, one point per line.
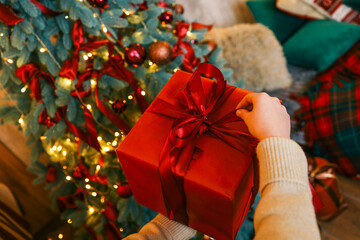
282	24
319	43
299	8
353	4
254	54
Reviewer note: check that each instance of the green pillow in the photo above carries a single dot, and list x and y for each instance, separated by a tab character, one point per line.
282	24
355	4
318	44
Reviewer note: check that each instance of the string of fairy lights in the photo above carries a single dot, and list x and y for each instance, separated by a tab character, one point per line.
106	146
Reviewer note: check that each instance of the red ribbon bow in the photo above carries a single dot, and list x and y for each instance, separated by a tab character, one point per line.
184	48
194	116
31	74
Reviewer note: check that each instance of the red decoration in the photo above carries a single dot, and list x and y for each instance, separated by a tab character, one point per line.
179	9
44	119
119	106
7	16
160	53
135	54
166	17
110	211
124	190
68	201
194	133
51	174
98	3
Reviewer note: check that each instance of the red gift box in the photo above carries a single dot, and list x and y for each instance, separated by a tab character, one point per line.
190	158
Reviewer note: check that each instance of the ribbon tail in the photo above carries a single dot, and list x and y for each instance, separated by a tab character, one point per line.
45	9
8	17
172	186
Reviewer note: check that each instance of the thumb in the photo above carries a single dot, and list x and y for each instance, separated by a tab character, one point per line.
242	113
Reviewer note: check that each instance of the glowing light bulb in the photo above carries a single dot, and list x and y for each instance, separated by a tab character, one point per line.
21	121
121	229
10	61
89	54
104	29
176	69
87	186
94	194
94	15
59	148
24	89
117	134
54	148
127	13
42	50
87	180
98	167
66	17
108	143
64	153
88	106
150	63
143	93
188	33
115	186
85	57
91	210
68	82
114	143
1	34
106	149
99	138
130	97
68	140
68	178
93	82
69	221
60	236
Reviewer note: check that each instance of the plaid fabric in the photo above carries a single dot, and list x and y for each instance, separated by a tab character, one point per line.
330	113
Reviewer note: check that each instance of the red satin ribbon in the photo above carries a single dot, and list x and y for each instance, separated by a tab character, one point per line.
31	74
90	138
184	48
45	9
95	74
113	67
7	16
194	116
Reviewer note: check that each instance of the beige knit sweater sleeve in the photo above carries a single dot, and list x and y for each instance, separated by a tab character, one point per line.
285	210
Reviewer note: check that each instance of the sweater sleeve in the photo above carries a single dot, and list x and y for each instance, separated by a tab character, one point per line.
285	210
161	228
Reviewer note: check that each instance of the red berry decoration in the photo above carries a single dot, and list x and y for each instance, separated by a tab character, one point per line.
119	106
124	190
166	17
44	119
160	53
78	173
135	55
179	9
51	174
98	3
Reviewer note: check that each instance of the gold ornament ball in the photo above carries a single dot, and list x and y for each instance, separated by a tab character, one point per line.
160	53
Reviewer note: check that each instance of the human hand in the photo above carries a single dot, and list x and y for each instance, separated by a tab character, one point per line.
264	116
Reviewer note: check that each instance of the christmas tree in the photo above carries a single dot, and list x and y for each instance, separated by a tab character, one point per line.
79	74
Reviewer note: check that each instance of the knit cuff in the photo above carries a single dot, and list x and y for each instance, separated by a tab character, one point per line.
176	230
282	161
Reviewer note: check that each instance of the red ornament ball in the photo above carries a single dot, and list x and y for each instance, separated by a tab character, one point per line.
51	174
124	190
166	17
179	9
98	3
135	55
119	106
160	53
